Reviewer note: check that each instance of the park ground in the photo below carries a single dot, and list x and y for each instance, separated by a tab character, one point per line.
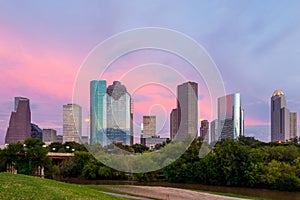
14	186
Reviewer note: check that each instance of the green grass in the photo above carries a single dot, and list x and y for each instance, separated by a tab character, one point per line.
27	187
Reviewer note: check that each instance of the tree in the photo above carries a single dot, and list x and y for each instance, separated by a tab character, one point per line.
281	175
73	166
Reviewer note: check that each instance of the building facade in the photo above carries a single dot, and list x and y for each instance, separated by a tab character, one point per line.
204	130
97	110
283	122
214	131
230	117
187	110
72	123
149	126
173	123
49	136
293	125
118	115
19	128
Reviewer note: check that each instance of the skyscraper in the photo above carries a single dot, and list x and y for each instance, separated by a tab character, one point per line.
97	110
187	110
118	115
230	116
283	122
293	125
204	130
173	123
149	126
19	128
49	136
72	123
214	131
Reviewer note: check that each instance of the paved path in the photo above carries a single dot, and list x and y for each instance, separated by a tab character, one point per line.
167	193
127	196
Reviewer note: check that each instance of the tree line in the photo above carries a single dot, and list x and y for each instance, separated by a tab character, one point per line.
244	162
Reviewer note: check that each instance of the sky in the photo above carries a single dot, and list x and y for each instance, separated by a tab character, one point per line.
254	44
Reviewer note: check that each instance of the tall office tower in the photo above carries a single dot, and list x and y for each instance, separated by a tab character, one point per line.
72	123
214	131
204	130
293	125
230	116
97	110
187	108
49	136
149	126
283	123
131	121
118	118
19	128
173	123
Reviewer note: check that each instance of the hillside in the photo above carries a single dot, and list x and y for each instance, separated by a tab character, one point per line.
19	186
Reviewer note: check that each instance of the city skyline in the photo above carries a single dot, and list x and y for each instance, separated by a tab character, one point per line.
40	60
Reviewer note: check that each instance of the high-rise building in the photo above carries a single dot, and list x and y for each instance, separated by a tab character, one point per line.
97	110
119	114
293	125
149	126
214	131
173	123
283	122
49	136
230	116
72	123
204	130
19	124
187	110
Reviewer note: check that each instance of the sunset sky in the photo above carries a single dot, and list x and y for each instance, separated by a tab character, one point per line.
255	45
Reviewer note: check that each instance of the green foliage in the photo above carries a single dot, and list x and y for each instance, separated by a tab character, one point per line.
73	166
27	158
245	162
139	148
281	175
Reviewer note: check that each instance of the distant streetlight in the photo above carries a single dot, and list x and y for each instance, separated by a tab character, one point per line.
53	149
73	149
44	146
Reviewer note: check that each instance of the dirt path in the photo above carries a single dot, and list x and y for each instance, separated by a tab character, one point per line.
168	193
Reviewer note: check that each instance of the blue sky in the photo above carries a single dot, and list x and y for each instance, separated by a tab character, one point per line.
255	45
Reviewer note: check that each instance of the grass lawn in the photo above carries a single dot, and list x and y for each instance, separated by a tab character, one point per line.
17	186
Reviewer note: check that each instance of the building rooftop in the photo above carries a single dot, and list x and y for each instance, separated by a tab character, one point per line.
277	93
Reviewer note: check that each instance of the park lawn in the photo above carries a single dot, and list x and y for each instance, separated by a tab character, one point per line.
17	186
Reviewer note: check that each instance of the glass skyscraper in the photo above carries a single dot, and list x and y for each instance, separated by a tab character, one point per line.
230	116
118	115
111	113
97	110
